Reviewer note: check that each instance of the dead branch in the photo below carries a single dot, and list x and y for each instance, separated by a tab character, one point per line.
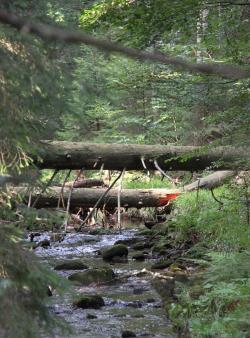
52	33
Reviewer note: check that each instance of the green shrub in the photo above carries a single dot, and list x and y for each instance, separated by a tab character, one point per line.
222	226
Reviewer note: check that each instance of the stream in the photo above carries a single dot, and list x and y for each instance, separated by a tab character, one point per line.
130	303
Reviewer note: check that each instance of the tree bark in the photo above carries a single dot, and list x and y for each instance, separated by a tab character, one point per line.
76	155
211	181
130	198
87	197
86	183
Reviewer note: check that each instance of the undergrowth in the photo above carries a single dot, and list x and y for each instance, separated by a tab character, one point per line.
215	302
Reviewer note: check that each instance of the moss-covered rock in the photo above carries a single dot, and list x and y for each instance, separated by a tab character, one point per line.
90	302
74	264
162	264
142	245
118	250
90	276
128	241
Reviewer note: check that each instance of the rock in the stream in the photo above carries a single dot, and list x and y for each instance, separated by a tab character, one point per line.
90	316
128	334
162	264
140	256
90	276
118	250
128	241
90	302
149	224
74	264
142	245
44	244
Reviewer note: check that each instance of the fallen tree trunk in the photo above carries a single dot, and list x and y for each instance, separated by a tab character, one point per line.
86	183
211	181
87	197
77	155
136	198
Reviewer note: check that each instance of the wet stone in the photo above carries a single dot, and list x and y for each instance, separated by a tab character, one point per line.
162	264
128	241
90	276
128	334
90	316
44	244
142	246
135	304
90	302
74	264
140	256
119	250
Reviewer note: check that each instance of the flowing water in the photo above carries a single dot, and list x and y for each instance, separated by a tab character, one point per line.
130	303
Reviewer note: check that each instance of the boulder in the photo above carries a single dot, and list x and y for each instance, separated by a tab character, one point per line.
89	302
118	250
90	276
74	264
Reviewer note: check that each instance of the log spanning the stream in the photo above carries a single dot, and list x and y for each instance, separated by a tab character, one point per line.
130	198
87	197
77	155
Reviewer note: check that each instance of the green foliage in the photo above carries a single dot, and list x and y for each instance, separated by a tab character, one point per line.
223	227
23	289
153	104
142	22
216	301
221	307
133	181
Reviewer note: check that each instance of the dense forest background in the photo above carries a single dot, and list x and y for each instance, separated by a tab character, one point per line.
66	91
79	93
